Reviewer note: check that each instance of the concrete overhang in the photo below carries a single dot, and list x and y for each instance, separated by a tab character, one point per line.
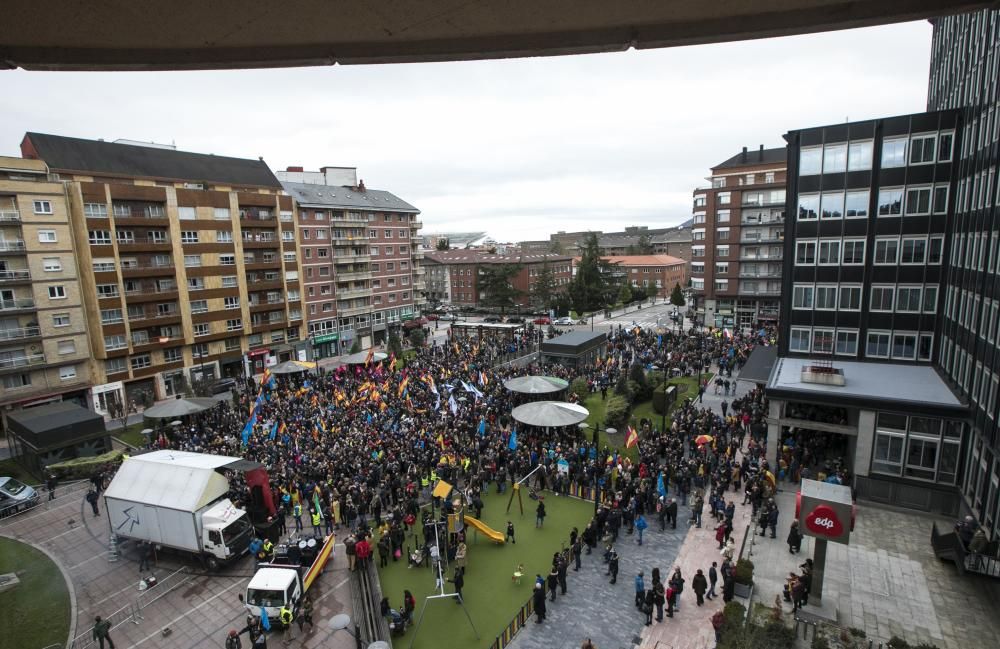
215	34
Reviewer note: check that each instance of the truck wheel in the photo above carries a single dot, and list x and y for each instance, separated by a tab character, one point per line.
212	563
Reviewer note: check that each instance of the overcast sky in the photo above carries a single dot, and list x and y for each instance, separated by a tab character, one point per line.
518	148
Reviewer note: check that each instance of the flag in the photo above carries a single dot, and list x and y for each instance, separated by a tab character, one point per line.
264	621
482	426
392	362
453	405
483	381
249	427
274	431
440	441
632	439
660	487
512	442
371	355
266	377
322	425
316	503
402	386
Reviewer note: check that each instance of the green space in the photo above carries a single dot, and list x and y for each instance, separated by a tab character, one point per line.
12	469
491	597
131	434
36	611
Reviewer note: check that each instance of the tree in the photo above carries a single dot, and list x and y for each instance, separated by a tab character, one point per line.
676	296
494	285
356	347
442	244
120	411
596	283
625	294
395	345
644	246
544	289
417	337
556	247
652	291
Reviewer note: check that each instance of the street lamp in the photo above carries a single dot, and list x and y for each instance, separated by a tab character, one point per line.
342	622
583	426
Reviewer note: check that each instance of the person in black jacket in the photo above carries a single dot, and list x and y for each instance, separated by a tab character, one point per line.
538	599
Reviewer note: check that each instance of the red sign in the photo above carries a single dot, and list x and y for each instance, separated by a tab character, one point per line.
824	521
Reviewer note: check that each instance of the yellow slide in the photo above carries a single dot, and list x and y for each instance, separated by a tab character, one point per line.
490	533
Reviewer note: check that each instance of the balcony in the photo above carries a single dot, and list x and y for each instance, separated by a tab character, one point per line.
776	237
755	274
22	361
147	244
15	245
351	259
749	221
416	225
353	292
20	334
8	216
762	257
760	291
15	275
345	312
418	254
17	304
349	220
251	216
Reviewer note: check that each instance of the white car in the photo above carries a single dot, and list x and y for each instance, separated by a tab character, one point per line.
563	321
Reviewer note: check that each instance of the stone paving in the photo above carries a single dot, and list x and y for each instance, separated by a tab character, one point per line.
198	609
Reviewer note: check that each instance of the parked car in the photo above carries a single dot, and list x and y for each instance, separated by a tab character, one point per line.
431	317
492	319
450	317
563	321
16	496
223	385
515	319
414	323
544	320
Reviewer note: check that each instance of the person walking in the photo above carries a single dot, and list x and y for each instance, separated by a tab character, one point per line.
577	551
640	525
562	566
307	614
553	581
713	576
640	591
297	515
91	498
538	599
672	513
794	538
510	534
459	581
101	631
658	597
50	484
540	513
647	606
677	583
613	565
696	510
699	585
145	556
772	520
285	617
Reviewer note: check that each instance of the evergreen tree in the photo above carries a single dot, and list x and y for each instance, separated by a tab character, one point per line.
544	289
442	244
676	296
652	291
494	285
594	286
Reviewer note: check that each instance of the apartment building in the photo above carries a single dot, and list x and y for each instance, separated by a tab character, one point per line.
44	348
361	258
737	233
662	271
463	267
965	76
189	263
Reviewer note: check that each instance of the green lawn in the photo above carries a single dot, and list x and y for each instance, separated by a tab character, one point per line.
131	434
36	611
491	597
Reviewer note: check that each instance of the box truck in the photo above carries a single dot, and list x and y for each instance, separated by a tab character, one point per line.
178	500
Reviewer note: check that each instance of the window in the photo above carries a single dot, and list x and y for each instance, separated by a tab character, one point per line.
107	290
95	210
196	284
67	372
51	264
172	355
882	298
768	177
878	344
808	206
826	298
125	236
186	213
850	298
856	205
99	237
888	452
893	153
940	205
802	296
229	281
859	157
847	343
854	252
199	306
914	251
235	324
922	149
829	253
231	302
805	253
722	234
721	216
66	347
42	207
908	299
721	251
934	252
810	161
834	158
192	261
719	182
47	236
890	202
833	205
223	236
799	340
720	285
822	341
60	320
221	214
918	201
723	198
114	365
930	299
115	342
111	316
57	292
721	268
886	252
200	329
904	346
140	362
944	146
107	265
921	457
925	347
227	260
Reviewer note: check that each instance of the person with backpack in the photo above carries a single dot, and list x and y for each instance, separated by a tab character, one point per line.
233	640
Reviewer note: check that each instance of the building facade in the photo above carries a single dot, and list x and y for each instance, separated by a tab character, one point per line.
44	348
361	259
462	268
965	76
662	271
189	264
737	235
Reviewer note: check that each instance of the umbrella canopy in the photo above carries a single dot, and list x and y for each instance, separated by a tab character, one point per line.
547	414
361	357
179	408
536	384
703	439
292	367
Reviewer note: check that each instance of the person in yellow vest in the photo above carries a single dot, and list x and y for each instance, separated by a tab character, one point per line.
285	615
268	549
335	512
317	521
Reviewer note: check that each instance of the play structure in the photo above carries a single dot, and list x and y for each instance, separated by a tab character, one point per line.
516	491
458	520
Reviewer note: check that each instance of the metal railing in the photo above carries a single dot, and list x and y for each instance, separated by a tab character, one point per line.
22	361
7	216
16	334
366	596
10	275
11	246
128	613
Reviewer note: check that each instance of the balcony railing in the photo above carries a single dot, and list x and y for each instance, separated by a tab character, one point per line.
14	275
17	334
16	245
7	216
751	274
22	361
17	303
149	241
767	257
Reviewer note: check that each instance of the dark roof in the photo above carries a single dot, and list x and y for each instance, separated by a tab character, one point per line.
100	158
755	157
478	256
575	342
347	197
55	425
758	366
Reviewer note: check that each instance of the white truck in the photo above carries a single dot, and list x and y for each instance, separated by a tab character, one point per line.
285	580
177	499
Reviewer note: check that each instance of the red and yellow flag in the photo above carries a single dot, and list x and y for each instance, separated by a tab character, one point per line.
632	439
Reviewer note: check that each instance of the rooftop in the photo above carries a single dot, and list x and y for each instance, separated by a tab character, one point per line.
484	257
754	158
71	154
310	194
645	260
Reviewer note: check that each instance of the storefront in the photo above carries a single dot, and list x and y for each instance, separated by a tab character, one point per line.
325	345
107	396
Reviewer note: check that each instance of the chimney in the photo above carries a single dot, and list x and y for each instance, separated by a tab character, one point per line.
761	154
361	185
295	169
743	156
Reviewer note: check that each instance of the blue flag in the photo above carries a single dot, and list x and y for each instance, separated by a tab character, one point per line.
659	340
482	426
264	621
660	487
249	428
274	431
512	443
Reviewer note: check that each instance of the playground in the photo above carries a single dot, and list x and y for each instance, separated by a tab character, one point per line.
492	596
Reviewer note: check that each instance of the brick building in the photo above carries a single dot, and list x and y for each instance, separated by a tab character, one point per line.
463	266
661	271
737	235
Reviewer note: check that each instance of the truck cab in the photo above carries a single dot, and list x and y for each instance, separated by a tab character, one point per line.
226	531
272	588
